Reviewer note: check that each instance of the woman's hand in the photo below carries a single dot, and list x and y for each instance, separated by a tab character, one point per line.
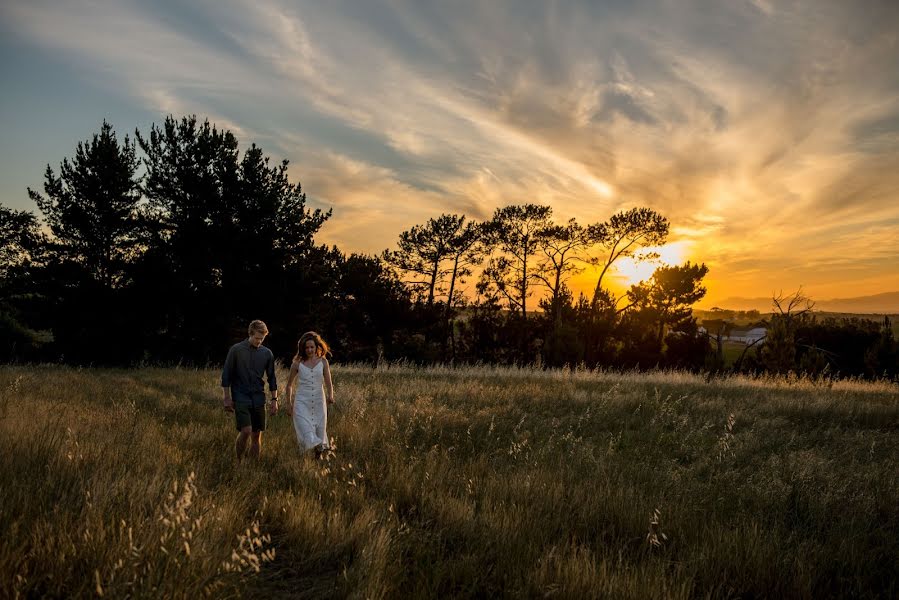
289	409
331	399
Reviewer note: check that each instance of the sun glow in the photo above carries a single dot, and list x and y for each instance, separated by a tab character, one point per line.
629	271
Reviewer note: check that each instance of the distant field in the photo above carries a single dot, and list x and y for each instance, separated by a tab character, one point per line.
452	483
733	351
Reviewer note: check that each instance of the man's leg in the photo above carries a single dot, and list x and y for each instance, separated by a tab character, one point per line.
240	446
256	446
244	427
258	418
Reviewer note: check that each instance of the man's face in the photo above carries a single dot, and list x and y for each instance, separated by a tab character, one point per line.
256	339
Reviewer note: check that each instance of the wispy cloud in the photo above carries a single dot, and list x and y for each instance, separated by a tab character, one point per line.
765	130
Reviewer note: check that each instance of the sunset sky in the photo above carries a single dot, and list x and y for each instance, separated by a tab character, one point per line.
766	131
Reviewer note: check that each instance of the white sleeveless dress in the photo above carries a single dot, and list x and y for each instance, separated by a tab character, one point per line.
310	411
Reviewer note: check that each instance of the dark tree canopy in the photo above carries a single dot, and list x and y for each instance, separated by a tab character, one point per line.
517	231
22	256
667	297
467	248
623	235
561	249
423	252
231	231
21	241
779	350
92	206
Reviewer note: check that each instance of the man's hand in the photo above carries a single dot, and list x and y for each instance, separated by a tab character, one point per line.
273	407
228	405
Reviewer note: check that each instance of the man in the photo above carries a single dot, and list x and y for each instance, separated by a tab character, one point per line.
244	390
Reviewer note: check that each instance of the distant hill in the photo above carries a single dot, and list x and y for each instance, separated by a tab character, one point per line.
886	303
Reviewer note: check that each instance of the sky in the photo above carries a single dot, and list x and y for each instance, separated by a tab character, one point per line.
766	131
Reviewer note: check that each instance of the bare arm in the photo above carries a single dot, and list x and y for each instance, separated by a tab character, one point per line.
294	369
329	385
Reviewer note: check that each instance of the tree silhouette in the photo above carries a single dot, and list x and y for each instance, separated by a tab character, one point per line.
225	231
778	352
21	241
560	248
882	358
21	258
623	235
467	251
373	310
169	266
91	207
468	248
422	252
517	231
667	297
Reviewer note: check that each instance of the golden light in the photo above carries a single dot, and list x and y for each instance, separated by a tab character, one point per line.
601	187
629	271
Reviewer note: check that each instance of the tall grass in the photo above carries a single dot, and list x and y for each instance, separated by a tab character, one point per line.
469	482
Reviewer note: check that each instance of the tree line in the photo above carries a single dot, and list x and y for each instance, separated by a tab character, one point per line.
161	247
522	253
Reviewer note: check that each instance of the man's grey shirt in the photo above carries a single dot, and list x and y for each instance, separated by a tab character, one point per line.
244	367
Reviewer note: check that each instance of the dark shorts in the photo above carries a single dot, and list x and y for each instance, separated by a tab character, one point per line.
247	414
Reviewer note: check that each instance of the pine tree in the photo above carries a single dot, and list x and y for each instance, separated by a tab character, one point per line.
92	206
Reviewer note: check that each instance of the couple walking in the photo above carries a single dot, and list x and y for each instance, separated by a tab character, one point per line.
244	390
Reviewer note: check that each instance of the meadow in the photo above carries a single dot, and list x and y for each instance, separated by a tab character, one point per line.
469	482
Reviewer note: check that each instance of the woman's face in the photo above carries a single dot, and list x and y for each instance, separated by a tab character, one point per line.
310	348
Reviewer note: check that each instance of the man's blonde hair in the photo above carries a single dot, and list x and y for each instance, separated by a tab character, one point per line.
257	326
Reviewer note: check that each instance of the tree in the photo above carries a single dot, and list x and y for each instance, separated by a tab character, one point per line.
93	210
597	320
92	207
623	235
517	231
882	358
717	329
195	239
560	247
563	333
21	240
193	192
467	251
666	299
274	231
21	256
422	252
778	353
373	310
225	231
270	214
482	335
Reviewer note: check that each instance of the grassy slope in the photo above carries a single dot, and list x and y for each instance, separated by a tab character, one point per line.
452	483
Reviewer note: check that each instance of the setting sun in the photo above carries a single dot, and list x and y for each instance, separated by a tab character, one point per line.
630	271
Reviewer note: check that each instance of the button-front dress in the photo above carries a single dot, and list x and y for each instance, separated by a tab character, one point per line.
310	411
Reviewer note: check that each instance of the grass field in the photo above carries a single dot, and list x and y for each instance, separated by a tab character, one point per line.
452	483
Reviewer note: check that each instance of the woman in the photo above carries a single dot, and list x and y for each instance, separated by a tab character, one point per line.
315	391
